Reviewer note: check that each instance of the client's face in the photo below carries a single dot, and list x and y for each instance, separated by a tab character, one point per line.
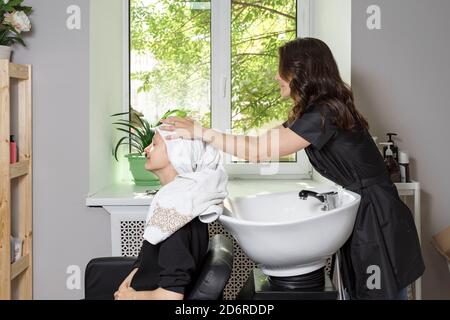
156	154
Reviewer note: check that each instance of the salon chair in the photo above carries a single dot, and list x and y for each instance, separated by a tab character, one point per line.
103	276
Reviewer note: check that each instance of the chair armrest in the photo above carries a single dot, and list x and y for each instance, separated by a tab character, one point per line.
103	276
215	272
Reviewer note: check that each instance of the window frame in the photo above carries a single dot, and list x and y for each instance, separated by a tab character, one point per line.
221	90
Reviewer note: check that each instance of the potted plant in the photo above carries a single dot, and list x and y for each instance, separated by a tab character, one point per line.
13	21
139	135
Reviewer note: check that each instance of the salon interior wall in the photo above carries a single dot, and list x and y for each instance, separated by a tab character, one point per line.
107	94
401	76
331	22
77	85
66	233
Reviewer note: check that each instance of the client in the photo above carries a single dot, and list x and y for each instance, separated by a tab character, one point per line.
176	232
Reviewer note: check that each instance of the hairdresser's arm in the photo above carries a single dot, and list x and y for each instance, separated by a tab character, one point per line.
272	145
157	294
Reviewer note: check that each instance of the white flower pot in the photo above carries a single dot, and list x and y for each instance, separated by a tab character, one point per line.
5	52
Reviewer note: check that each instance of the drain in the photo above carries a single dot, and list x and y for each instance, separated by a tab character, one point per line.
313	280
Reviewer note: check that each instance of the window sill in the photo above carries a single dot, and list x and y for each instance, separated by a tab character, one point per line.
128	194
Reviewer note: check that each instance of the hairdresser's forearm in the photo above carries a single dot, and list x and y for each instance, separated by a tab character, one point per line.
248	148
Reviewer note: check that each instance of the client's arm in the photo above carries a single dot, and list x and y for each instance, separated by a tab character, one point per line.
134	268
127	282
158	294
177	265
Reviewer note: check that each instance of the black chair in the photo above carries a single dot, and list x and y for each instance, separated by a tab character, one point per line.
103	276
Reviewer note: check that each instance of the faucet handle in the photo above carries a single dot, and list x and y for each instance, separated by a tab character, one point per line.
304	194
331	200
330	193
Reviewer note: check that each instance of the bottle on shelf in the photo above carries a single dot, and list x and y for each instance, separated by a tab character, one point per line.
13	150
403	162
394	148
391	164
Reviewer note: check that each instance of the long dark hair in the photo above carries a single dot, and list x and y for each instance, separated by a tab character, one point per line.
313	75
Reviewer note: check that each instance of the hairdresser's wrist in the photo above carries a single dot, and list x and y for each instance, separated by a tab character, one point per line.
207	135
211	135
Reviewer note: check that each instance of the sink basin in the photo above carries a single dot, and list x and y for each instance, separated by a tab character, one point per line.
287	236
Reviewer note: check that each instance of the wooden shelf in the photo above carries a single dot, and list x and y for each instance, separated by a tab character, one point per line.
20	266
18	208
18	71
19	169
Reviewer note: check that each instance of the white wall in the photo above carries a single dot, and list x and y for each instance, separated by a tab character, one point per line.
331	23
106	90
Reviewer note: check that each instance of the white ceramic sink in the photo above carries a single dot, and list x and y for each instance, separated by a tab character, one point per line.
288	236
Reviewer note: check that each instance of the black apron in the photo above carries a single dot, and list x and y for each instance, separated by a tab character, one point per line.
384	237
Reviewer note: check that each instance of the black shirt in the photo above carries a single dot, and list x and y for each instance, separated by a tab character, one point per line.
173	263
384	234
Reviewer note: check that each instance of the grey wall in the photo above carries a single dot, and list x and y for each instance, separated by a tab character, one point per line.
401	77
65	231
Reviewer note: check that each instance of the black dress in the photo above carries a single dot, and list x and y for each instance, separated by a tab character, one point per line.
384	234
174	263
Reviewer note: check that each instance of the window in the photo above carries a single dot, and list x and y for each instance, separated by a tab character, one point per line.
170	64
217	59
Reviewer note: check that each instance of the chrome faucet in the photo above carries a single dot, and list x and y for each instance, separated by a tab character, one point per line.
330	200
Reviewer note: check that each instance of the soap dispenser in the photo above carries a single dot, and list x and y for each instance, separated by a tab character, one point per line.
394	148
391	164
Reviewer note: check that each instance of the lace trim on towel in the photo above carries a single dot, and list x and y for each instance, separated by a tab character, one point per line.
168	219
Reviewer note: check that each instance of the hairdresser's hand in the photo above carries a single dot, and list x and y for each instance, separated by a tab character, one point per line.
127	282
126	294
185	128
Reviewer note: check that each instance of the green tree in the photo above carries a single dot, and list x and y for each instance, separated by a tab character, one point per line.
177	34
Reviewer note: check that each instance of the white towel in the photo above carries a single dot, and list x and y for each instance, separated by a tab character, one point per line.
197	191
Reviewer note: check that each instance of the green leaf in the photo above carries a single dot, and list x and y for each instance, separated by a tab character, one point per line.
130	133
20	40
117	147
137	131
133	145
171	113
120	114
142	122
27	10
14	3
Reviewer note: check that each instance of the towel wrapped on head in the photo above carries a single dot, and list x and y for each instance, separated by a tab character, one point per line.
198	190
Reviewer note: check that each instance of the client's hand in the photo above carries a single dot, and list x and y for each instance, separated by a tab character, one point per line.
125	294
127	282
185	128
